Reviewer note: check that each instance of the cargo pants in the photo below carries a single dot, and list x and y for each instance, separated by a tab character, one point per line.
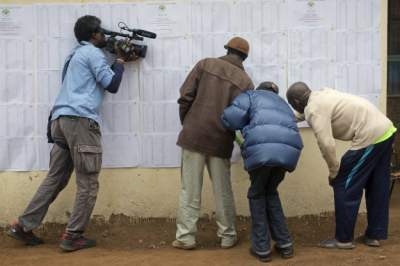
77	145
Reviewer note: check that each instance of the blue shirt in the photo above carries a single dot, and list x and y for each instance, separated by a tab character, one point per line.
82	89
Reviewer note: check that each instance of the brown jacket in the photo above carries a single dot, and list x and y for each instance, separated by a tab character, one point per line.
209	88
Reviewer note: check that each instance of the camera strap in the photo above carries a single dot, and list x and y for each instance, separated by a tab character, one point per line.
64	72
65	68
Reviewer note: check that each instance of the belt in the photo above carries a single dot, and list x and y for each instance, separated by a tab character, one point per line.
76	117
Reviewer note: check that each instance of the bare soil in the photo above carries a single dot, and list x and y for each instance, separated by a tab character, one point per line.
127	241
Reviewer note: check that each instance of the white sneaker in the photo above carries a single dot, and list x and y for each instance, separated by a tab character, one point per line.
182	245
228	242
333	243
371	242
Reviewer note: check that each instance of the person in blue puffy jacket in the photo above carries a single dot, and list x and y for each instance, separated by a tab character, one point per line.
271	147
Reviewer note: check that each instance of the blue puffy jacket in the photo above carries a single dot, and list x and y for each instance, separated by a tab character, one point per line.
268	125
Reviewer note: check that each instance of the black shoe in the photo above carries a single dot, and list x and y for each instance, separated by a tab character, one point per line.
70	243
286	252
262	258
17	232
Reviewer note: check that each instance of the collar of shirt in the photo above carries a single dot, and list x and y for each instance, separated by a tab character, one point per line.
233	59
82	43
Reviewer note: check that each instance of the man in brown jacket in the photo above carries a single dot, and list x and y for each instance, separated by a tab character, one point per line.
336	115
207	91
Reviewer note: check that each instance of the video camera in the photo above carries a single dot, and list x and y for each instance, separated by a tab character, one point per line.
127	45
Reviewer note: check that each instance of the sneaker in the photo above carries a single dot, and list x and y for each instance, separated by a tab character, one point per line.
333	243
262	258
370	242
228	242
69	243
182	245
17	232
285	252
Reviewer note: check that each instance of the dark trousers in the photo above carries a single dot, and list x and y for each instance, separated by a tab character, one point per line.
368	169
267	218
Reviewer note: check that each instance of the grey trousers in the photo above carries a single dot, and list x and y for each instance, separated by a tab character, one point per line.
77	145
192	170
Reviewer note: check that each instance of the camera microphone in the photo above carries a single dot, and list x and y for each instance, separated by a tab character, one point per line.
114	33
144	33
147	34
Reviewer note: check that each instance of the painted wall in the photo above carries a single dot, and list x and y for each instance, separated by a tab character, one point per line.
154	192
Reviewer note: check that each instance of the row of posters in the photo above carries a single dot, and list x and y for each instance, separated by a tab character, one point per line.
334	43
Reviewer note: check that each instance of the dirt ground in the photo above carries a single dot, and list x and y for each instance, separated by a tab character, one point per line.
125	241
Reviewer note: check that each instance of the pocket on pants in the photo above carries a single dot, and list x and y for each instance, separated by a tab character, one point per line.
89	159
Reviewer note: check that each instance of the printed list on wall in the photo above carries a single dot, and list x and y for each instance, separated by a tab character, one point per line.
326	43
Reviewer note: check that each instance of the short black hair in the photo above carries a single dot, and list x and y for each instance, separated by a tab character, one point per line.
268	86
236	52
85	26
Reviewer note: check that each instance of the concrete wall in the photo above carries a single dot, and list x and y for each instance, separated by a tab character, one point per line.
154	192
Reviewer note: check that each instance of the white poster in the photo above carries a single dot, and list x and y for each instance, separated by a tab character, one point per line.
13	20
312	13
166	18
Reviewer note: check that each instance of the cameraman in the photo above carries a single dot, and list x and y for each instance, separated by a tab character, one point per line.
76	133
